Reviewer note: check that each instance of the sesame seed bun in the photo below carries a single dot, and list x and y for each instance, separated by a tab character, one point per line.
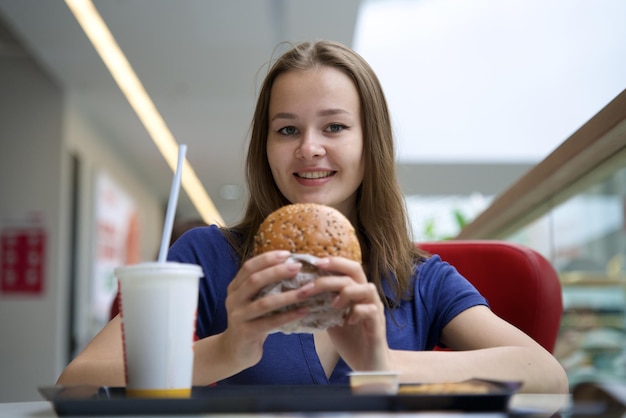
309	231
308	228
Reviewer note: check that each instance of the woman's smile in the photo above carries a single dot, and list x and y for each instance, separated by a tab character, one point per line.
315	174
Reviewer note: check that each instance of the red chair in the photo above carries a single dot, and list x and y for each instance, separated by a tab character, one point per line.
521	286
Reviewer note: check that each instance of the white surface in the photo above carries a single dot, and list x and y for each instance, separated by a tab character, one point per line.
540	403
26	409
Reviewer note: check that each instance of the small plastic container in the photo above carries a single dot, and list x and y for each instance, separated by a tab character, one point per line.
374	383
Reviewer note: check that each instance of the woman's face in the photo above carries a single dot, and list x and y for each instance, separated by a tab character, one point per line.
315	138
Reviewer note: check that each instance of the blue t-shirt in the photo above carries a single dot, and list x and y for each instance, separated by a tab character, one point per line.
440	293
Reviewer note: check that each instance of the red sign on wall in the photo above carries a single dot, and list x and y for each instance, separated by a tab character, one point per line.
22	264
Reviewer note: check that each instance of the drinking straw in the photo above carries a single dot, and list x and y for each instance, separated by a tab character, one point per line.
171	205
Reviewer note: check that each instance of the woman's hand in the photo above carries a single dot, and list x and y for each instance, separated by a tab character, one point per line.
361	341
248	322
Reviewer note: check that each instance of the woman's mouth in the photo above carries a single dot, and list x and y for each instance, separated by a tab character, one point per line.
315	174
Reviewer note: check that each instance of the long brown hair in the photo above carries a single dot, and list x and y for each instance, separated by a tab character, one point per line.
383	226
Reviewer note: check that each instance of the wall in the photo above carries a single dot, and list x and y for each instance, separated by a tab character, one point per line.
84	139
31	171
40	128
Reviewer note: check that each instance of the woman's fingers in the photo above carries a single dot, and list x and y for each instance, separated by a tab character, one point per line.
258	263
254	324
272	303
261	271
264	314
362	311
242	302
357	294
343	266
349	283
348	291
276	320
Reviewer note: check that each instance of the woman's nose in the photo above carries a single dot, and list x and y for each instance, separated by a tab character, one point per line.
310	147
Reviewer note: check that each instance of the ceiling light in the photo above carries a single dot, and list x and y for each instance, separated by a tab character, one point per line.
103	41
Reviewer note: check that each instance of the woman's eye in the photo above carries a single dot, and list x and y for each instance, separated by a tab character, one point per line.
335	127
288	130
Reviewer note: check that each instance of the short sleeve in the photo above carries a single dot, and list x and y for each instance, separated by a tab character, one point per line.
443	293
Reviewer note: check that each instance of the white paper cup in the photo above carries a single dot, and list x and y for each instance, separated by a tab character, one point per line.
158	309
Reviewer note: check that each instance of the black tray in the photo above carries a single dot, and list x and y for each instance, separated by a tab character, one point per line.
93	401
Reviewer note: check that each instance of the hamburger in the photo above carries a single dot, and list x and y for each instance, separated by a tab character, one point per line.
309	231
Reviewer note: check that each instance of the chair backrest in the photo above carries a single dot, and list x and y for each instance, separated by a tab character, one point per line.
520	285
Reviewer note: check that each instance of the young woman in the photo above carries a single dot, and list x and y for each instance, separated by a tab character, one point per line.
321	133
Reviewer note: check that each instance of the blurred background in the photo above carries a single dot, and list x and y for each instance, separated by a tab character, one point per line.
481	93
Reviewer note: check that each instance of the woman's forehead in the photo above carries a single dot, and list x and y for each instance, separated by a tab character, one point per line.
325	87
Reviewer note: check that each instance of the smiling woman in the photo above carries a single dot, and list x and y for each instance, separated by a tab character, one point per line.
321	133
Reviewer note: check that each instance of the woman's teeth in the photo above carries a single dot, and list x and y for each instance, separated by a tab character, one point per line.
315	174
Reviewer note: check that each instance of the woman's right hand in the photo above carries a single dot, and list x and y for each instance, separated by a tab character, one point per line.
248	322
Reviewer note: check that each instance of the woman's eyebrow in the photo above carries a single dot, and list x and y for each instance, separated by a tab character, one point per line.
284	115
330	112
325	112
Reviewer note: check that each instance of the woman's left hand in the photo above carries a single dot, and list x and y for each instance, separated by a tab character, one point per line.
362	340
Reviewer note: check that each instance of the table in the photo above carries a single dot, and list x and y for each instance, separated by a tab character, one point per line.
535	405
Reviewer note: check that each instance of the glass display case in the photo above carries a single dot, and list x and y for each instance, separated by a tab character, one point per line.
585	239
571	207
